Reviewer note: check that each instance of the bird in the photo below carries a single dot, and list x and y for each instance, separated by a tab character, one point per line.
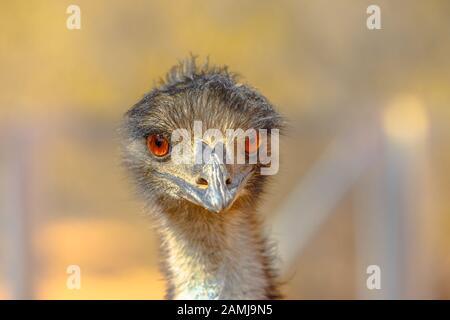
213	244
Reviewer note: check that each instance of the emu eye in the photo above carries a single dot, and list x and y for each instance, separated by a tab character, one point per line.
158	145
252	145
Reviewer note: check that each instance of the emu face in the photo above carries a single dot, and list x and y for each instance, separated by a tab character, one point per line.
195	99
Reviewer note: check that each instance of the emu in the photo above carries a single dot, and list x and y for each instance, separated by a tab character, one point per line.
212	241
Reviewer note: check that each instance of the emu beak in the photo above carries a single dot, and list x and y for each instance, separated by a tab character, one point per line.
215	189
217	195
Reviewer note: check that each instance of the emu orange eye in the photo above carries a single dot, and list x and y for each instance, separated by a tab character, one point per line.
158	145
252	145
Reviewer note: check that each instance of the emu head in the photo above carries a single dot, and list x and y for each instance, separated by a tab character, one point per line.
176	168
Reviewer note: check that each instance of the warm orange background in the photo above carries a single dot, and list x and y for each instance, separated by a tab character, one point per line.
63	93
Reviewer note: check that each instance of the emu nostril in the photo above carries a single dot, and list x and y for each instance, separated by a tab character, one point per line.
228	181
202	182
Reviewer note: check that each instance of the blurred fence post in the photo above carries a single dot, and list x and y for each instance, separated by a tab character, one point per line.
378	227
311	202
17	210
388	216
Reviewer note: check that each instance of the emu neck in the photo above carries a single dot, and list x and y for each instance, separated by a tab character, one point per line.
214	256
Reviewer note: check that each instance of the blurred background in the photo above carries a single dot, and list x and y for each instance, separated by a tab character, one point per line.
365	167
